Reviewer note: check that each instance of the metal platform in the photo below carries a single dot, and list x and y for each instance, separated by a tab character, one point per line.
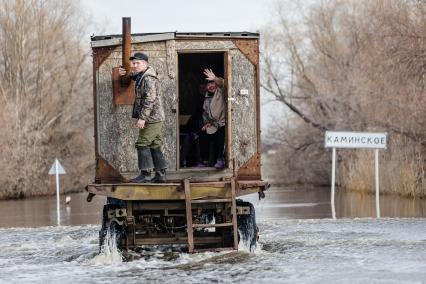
175	191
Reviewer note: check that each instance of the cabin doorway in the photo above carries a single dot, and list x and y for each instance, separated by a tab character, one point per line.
196	149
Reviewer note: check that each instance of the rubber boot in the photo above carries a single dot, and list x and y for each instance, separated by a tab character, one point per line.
160	165
143	177
145	165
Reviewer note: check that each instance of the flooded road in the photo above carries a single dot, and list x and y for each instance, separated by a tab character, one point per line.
299	243
41	211
289	203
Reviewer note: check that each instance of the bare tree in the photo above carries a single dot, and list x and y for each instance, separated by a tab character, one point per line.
45	95
352	65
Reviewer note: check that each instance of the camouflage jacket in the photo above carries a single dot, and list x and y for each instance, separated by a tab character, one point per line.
148	104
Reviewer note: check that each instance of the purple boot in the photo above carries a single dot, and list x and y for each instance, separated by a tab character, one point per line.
220	164
201	165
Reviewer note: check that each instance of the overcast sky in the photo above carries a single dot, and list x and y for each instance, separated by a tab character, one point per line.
184	16
179	15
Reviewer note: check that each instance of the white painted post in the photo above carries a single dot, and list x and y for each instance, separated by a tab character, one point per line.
333	180
376	158
57	169
57	194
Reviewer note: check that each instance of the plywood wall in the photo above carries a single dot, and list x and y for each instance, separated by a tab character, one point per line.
117	131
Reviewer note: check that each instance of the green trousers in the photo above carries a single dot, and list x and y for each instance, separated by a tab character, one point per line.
150	136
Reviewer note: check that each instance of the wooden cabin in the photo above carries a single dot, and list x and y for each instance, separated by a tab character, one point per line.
179	58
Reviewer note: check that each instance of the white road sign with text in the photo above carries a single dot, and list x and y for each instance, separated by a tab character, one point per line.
372	140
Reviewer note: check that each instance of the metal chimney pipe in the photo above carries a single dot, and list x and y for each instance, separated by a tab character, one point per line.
127	45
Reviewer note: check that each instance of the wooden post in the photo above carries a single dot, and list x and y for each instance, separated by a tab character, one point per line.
234	212
188	206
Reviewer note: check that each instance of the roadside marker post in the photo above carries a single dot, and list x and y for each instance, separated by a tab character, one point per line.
355	140
333	181
57	169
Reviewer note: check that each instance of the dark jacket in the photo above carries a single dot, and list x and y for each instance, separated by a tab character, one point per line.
148	104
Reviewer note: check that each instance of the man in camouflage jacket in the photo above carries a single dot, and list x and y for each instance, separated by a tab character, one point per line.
148	109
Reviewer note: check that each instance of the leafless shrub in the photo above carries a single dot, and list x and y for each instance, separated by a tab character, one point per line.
354	66
45	102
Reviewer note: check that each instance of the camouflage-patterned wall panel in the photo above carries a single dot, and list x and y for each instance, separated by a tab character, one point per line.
204	44
116	129
243	123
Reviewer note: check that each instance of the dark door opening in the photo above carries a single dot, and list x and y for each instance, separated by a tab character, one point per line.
194	150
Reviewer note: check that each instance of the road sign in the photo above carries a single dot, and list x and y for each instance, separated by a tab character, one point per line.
57	170
363	140
372	140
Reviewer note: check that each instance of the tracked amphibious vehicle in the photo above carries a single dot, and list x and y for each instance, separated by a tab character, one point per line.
199	208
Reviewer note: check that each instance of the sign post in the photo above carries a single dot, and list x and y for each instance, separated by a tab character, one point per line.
333	182
57	170
376	166
350	140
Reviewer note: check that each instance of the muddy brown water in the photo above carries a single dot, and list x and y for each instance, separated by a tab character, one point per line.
280	203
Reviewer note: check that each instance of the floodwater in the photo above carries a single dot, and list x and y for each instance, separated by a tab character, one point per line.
299	243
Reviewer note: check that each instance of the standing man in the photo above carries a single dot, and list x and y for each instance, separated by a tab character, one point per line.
148	110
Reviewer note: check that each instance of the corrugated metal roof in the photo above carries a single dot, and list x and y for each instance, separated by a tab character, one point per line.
107	40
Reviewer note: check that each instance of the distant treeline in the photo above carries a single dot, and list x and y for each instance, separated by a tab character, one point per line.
46	104
355	65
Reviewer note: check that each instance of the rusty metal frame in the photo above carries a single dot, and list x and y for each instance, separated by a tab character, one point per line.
105	172
250	170
249	47
175	191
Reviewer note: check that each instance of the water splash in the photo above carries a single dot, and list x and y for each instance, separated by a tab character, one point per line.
247	241
247	229
110	254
